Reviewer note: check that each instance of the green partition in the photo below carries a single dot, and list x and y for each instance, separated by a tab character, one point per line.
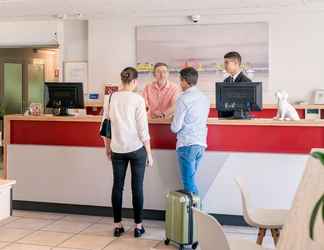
13	87
35	83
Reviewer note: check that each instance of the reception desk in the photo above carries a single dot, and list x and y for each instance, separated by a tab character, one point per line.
60	163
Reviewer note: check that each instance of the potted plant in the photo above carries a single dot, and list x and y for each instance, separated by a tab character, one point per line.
319	206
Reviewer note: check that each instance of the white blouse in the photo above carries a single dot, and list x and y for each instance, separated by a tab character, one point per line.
129	124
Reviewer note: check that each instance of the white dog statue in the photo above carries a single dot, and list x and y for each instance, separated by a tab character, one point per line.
285	110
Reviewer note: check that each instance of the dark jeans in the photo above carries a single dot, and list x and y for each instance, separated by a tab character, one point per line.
137	160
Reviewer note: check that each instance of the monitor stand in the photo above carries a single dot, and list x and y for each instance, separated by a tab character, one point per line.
241	115
63	112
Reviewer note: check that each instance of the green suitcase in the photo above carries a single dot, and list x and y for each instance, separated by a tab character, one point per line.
179	222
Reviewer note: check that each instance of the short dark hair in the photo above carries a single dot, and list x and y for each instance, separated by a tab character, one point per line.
190	75
233	55
128	74
159	64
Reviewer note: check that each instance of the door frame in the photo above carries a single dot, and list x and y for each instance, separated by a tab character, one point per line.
25	77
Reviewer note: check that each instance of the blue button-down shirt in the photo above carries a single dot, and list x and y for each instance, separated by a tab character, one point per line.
190	119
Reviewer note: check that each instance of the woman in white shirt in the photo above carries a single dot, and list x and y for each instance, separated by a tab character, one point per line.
130	143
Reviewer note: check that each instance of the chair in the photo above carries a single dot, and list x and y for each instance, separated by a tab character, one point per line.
212	237
263	219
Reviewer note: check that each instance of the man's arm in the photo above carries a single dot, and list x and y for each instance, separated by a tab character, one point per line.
170	111
179	115
146	99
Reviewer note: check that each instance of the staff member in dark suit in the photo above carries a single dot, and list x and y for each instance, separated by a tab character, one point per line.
232	63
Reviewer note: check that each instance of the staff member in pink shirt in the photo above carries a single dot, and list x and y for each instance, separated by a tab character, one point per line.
160	96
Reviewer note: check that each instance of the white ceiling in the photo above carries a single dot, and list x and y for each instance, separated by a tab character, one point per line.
92	8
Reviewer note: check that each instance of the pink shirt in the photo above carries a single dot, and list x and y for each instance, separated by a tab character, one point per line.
160	99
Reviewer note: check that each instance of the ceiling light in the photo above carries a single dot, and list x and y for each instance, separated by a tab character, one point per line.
76	15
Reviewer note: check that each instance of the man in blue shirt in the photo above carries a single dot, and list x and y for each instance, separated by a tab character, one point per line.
190	125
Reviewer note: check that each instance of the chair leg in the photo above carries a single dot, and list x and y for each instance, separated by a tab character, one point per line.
275	235
261	234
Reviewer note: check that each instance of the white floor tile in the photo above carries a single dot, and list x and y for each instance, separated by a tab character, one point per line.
38	215
67	226
28	223
82	218
92	242
17	246
13	234
45	238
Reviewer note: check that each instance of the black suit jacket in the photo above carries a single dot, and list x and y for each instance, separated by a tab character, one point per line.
240	78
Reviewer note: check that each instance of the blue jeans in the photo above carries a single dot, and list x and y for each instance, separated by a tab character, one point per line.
189	158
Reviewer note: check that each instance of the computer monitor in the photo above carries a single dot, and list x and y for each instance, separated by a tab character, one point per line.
61	96
239	99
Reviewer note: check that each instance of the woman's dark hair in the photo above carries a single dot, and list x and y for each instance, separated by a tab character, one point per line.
234	55
128	74
159	64
190	75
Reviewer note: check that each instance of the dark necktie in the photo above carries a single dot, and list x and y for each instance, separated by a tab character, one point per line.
231	79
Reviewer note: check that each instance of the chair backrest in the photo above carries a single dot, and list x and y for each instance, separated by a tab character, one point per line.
210	233
246	203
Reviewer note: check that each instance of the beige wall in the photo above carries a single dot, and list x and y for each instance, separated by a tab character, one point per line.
295	48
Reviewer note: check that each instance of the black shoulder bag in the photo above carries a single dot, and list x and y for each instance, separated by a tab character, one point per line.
106	124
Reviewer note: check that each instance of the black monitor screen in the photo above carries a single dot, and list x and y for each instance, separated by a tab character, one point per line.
61	94
245	96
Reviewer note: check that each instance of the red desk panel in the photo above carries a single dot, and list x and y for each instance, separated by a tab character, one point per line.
55	133
243	138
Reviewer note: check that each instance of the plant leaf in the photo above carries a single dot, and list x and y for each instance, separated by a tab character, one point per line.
323	208
313	217
319	156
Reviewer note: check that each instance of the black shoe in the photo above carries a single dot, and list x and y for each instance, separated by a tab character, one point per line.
139	232
118	231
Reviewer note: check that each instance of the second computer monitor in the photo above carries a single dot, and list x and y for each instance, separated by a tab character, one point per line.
64	96
239	98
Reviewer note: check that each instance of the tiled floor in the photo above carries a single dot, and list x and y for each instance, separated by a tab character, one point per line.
50	231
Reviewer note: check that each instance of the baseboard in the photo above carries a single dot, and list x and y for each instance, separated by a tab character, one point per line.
233	220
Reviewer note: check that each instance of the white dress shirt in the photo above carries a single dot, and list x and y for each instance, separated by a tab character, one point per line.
236	75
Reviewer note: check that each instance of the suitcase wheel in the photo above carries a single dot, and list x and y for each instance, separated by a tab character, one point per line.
195	245
167	242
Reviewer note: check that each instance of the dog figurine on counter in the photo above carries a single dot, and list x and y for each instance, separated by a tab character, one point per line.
285	110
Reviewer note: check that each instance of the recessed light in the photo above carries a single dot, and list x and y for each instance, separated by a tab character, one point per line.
10	1
76	15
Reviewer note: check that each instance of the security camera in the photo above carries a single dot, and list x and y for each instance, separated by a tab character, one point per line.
195	18
78	15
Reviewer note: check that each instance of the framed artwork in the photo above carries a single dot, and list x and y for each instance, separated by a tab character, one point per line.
77	72
203	47
319	96
35	109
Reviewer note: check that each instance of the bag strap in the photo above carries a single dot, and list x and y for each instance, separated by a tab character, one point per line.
109	105
110	98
